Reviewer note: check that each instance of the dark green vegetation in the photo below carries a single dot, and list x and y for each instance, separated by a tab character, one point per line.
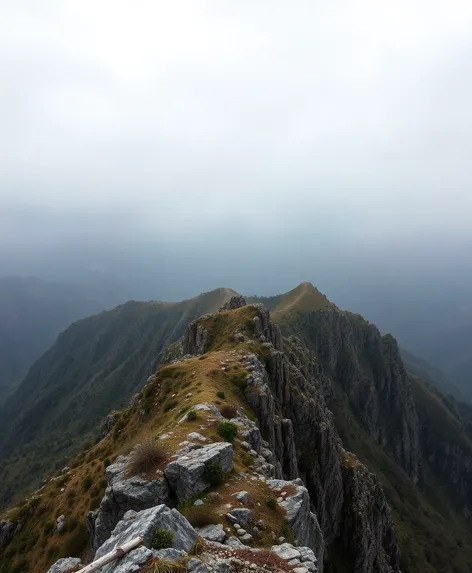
227	431
213	474
95	366
162	539
32	313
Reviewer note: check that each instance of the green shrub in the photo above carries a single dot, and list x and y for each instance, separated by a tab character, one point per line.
221	395
227	431
162	539
170	404
192	415
145	458
184	409
271	503
87	483
213	474
106	462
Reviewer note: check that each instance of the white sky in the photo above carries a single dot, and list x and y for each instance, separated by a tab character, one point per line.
354	117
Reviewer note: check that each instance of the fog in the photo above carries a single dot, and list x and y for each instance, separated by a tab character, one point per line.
182	146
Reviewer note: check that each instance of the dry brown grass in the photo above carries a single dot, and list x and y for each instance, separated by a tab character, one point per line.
229	412
201	516
145	458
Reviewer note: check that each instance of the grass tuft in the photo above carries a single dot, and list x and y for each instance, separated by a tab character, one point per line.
145	458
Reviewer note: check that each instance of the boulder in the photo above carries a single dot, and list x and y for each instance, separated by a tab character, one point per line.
302	522
212	533
144	524
7	531
65	565
186	473
243	497
123	494
240	515
132	562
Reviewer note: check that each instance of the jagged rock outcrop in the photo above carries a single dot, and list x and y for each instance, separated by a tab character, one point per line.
301	520
365	513
234	303
186	475
7	531
122	494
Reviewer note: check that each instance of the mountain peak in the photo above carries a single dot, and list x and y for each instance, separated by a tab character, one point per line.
303	298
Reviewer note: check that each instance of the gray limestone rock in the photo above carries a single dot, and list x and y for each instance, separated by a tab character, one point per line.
196	566
144	524
212	533
170	554
286	551
243	497
302	522
123	494
242	515
7	532
186	474
131	562
65	565
233	542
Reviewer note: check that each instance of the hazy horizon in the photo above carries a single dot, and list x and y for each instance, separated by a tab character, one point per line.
187	146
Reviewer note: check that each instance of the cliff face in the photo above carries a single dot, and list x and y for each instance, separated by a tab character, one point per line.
369	369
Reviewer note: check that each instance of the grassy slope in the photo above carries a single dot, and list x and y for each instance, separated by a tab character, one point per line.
304	297
95	366
165	402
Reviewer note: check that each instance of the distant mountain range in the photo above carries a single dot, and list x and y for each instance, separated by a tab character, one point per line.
32	313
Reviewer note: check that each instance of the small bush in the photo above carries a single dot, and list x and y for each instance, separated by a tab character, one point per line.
192	415
183	409
229	412
87	483
170	404
213	474
48	527
221	395
227	431
145	458
271	503
200	516
77	541
162	539
106	462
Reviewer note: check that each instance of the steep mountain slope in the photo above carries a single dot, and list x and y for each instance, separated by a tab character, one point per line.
333	376
234	365
95	365
32	313
403	429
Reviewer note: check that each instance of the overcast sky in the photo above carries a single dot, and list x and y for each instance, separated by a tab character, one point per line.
341	124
